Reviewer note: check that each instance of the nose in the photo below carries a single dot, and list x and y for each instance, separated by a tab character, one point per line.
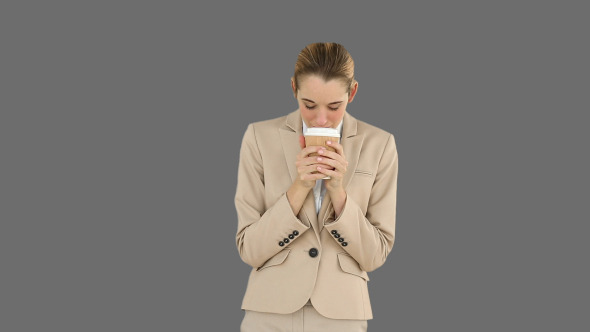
321	118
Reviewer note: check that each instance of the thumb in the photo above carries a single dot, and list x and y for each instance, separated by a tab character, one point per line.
302	142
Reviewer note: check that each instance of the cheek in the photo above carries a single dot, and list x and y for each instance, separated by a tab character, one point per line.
337	116
305	112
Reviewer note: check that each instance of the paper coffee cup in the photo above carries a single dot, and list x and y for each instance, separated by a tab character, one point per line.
319	137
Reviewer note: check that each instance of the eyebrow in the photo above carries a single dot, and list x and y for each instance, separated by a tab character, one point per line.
311	101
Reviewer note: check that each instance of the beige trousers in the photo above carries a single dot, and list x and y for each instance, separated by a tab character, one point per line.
306	319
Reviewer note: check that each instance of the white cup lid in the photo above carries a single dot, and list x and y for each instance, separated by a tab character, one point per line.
330	132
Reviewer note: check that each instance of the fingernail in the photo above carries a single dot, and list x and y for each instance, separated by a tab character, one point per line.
319	159
329	142
321	151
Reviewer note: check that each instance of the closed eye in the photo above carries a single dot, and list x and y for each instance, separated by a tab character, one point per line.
313	107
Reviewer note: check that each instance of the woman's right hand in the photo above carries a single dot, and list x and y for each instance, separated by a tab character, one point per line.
306	165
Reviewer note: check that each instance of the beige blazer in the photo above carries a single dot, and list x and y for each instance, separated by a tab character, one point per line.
313	256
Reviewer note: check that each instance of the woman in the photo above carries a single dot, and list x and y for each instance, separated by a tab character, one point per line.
312	241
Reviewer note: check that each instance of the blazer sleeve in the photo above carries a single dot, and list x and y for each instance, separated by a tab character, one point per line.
369	238
262	231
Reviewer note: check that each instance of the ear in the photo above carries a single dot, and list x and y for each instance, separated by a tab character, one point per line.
353	90
293	87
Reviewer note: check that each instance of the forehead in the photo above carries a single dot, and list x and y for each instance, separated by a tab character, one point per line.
316	87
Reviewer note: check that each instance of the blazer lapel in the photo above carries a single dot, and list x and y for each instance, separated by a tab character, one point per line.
290	141
351	142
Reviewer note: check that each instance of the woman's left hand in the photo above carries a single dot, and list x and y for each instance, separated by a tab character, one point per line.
337	161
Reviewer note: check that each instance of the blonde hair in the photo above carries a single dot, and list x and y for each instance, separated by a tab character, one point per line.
328	61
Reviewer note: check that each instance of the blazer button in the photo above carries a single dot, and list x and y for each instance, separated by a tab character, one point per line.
334	232
286	240
281	243
341	239
344	244
336	235
313	252
295	233
291	236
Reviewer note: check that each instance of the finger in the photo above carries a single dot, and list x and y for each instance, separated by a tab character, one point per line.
304	153
337	146
310	161
330	163
305	161
312	168
314	176
334	166
310	149
328	172
333	155
308	173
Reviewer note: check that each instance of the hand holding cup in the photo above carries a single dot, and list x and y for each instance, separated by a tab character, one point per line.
319	137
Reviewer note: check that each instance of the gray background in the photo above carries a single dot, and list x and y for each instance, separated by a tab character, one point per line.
120	132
